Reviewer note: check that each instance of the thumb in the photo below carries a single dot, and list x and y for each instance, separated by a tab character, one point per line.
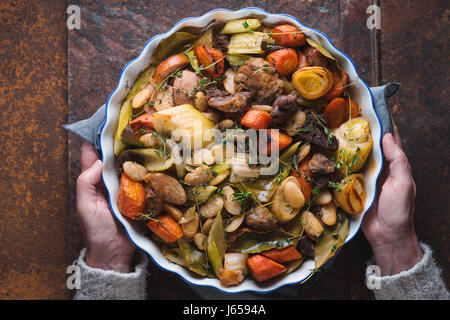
90	177
394	154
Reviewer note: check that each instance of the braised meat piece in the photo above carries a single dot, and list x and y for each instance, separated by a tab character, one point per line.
306	247
257	75
260	219
320	164
314	58
154	204
183	88
317	133
321	180
221	42
283	108
322	170
162	187
225	102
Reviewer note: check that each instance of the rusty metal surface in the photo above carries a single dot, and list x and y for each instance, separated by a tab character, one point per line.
33	185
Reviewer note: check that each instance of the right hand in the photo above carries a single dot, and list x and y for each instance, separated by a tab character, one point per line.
389	225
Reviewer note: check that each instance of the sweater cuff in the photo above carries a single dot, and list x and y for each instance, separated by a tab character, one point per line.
421	282
98	284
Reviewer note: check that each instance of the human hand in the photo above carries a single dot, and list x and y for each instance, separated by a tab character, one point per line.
389	225
108	247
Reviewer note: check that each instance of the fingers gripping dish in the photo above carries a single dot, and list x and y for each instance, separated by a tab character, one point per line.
210	206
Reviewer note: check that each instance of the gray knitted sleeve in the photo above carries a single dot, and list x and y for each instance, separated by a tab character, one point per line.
421	282
98	284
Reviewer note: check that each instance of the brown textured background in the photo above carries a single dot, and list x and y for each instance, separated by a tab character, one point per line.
39	236
33	170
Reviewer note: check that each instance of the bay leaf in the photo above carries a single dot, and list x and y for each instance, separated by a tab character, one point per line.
172	45
174	255
293	265
251	241
330	241
195	259
217	245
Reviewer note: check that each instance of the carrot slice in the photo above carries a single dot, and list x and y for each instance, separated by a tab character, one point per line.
335	112
168	66
338	86
131	198
274	136
284	60
304	178
263	268
354	109
166	228
212	61
282	255
288	36
256	119
338	111
143	122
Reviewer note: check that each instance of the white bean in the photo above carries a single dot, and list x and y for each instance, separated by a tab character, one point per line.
173	211
218	179
231	205
199	240
140	98
303	152
312	225
234	223
324	197
328	212
200	101
293	194
211	207
134	170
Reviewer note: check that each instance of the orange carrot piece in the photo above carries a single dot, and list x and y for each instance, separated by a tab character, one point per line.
263	268
355	109
274	136
256	119
168	66
304	178
284	60
336	112
131	198
288	36
212	61
143	122
282	255
166	228
338	86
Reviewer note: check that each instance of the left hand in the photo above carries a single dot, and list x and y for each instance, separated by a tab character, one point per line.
108	247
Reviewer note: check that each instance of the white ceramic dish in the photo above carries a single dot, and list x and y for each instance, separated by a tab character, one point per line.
360	93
